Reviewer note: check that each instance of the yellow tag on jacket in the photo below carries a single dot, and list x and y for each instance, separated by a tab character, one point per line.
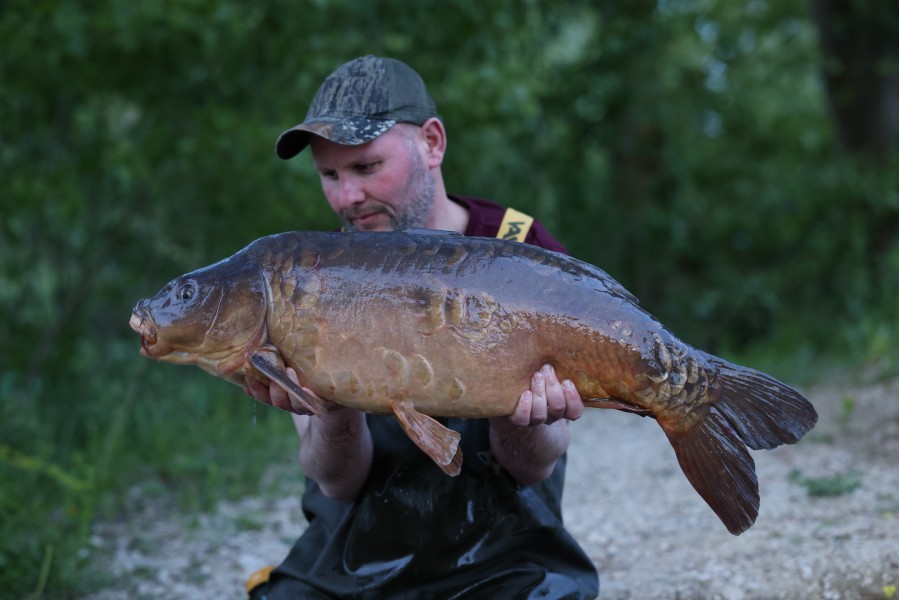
515	226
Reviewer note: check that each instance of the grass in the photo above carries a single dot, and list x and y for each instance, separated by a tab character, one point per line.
73	448
249	523
828	486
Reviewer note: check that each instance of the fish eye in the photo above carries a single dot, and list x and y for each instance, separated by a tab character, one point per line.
186	291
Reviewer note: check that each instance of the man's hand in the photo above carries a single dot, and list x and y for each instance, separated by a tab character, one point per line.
547	401
274	395
530	441
337	448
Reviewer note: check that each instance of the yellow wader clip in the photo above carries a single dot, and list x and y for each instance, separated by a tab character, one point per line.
515	226
258	578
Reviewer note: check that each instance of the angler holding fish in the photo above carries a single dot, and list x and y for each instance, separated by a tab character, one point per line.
422	368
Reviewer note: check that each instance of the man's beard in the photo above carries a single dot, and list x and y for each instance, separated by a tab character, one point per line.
413	207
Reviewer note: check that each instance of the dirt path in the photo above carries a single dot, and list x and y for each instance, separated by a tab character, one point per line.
630	507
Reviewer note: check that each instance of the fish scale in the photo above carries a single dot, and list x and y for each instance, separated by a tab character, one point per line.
424	324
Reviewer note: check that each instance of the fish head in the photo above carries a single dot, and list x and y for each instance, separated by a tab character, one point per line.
212	317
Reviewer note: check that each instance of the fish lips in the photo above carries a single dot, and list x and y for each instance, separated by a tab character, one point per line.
143	326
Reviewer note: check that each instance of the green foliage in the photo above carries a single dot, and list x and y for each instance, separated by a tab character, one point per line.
828	486
93	439
685	147
847	408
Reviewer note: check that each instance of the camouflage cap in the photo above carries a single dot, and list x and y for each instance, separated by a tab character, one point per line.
358	102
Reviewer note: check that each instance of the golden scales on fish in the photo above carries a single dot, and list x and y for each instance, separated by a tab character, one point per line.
424	324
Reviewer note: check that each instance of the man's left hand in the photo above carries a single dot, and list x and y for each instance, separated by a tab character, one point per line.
547	401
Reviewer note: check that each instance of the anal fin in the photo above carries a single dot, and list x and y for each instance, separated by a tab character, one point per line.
270	366
440	443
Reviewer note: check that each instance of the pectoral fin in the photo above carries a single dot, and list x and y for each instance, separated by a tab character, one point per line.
269	364
440	443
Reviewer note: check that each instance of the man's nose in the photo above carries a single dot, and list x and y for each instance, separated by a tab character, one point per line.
349	192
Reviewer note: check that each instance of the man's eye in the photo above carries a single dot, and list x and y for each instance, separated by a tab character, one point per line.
367	167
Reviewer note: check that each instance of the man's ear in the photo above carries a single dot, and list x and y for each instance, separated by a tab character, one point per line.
434	136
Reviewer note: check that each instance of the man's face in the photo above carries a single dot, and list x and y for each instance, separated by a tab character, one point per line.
377	186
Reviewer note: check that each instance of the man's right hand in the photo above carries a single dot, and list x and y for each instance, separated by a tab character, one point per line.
274	395
337	448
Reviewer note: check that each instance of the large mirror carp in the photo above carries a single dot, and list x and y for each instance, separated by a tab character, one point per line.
423	324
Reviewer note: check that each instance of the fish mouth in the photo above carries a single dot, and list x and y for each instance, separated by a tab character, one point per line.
144	328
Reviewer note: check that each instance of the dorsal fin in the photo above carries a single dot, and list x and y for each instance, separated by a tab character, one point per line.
424	231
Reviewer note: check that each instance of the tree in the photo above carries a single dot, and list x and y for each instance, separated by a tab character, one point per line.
860	45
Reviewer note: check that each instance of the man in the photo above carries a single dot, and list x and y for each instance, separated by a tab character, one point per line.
385	522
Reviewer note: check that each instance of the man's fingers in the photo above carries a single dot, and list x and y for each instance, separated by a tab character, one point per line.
273	394
300	409
279	398
548	400
574	405
538	406
258	390
555	395
522	415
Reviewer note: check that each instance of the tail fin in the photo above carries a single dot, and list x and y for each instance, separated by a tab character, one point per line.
765	412
716	462
753	410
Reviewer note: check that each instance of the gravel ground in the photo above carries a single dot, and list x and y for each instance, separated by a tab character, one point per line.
628	504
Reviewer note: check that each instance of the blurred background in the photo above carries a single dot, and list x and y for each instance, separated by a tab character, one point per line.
733	163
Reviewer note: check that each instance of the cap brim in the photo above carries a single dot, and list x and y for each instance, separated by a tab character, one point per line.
349	131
